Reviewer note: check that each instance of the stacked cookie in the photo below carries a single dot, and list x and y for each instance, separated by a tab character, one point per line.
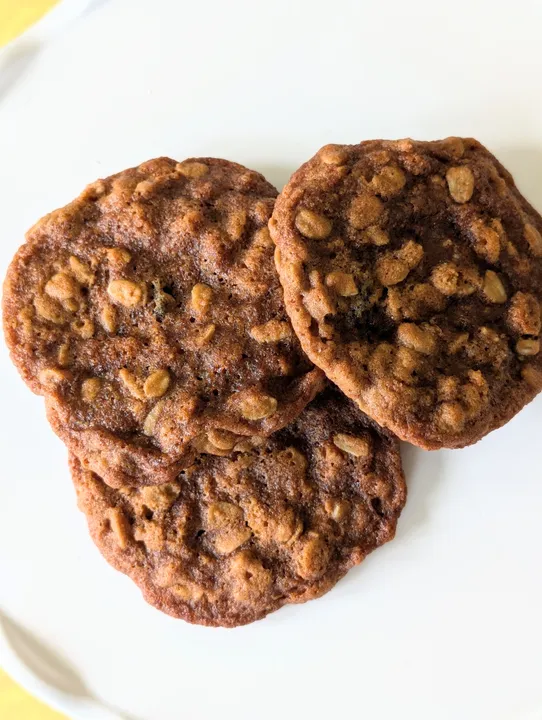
214	462
412	274
150	316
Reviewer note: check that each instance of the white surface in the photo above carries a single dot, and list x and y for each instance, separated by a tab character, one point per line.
443	623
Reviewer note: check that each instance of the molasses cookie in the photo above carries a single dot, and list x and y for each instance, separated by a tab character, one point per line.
412	274
149	314
279	520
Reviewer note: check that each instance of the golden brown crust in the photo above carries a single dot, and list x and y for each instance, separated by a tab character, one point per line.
412	274
148	312
276	521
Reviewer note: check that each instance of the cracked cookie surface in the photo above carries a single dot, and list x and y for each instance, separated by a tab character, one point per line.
412	274
148	313
279	520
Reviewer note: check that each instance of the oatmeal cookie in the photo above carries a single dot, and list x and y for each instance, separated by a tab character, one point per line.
412	274
279	520
148	313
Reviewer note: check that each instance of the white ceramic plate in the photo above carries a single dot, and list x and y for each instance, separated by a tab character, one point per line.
443	623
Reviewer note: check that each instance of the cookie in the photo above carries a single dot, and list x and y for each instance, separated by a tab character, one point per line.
280	520
149	314
412	274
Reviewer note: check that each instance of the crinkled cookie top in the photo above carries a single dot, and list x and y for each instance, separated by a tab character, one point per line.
412	274
276	521
148	312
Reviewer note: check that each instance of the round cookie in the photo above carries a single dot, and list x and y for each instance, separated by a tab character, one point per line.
412	274
280	520
149	314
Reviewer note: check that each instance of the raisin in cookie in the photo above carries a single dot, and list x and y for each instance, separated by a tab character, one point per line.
149	314
280	520
412	274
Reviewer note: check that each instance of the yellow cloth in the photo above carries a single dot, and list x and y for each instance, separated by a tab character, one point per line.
16	704
17	15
